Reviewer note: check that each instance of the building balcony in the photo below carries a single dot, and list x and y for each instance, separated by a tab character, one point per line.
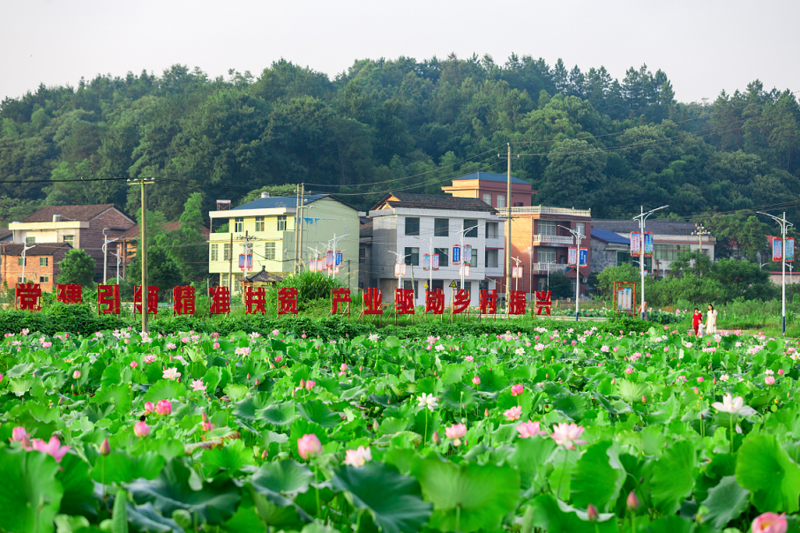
553	239
544	210
548	267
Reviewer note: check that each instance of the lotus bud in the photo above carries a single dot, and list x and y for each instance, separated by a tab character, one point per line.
633	501
105	447
593	514
435	437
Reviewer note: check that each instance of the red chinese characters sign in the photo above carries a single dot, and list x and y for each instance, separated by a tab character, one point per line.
255	300
108	299
69	294
219	300
28	296
183	300
461	300
152	300
404	301
372	299
543	302
287	301
489	302
517	303
434	301
340	296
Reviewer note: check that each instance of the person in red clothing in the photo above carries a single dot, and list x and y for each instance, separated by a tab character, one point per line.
697	319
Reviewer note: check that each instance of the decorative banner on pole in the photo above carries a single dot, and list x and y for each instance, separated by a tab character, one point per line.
789	249
399	269
467	254
635	243
515	272
463	270
572	258
249	262
777	249
320	265
329	258
648	244
584	257
312	265
435	262
426	262
456	254
339	257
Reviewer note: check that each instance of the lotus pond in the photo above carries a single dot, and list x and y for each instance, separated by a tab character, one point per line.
562	431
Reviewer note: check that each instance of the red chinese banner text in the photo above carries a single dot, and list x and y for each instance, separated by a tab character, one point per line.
108	299
69	294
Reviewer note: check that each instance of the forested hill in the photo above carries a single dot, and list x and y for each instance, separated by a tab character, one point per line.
586	139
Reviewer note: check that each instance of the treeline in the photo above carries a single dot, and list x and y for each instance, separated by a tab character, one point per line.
586	140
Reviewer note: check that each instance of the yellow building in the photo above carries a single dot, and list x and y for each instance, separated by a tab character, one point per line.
267	227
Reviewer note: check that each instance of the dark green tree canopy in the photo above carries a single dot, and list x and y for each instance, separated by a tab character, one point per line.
77	267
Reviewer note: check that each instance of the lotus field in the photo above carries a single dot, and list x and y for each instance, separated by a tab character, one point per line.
562	431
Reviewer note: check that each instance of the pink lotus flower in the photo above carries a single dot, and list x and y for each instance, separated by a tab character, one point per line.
198	385
529	429
513	414
358	457
629	370
516	390
76	374
769	380
52	448
134	364
171	373
164	407
308	445
700	379
343	367
770	523
456	432
310	384
18	434
149	358
567	435
206	425
476	380
216	345
149	407
278	359
140	429
780	373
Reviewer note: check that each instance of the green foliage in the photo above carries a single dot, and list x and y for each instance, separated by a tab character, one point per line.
77	267
561	286
162	272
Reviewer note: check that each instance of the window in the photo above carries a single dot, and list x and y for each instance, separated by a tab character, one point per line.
473	224
260	224
443	256
20	280
44	279
623	258
412	226
581	227
269	251
669	252
408	285
412	256
22	261
238	224
501	200
215	252
491	230
546	255
226	252
487	197
43	261
490	258
30	240
223	280
362	255
282	223
547	227
69	239
474	262
441	227
438	284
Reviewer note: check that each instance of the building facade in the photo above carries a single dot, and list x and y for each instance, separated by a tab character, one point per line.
609	249
40	264
407	227
80	226
267	227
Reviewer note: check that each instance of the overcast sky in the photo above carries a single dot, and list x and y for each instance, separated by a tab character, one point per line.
703	46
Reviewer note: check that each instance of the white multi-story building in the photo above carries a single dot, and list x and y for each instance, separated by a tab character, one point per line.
413	225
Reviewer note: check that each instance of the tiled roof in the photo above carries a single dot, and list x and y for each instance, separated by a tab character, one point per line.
488	176
4	233
80	213
662	227
279	201
609	236
133	233
264	277
434	201
45	248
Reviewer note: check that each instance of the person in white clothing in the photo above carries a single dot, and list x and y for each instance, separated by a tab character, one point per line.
711	320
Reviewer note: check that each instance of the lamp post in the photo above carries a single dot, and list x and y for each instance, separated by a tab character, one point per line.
25	249
578	238
401	260
784	224
430	256
462	233
642	217
106	242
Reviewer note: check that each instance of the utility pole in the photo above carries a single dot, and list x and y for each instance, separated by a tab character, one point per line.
784	224
508	226
297	254
642	217
143	245
230	266
700	231
578	239
300	230
106	242
517	261
25	249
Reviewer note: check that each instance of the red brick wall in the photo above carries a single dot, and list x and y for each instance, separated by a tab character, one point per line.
91	240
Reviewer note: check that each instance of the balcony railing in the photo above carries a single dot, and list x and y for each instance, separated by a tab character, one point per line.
545	210
548	267
553	239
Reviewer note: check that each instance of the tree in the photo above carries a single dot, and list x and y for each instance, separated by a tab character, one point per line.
188	245
77	267
623	272
561	286
162	272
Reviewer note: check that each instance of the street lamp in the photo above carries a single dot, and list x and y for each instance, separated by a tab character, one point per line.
642	217
784	224
106	242
25	249
578	238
